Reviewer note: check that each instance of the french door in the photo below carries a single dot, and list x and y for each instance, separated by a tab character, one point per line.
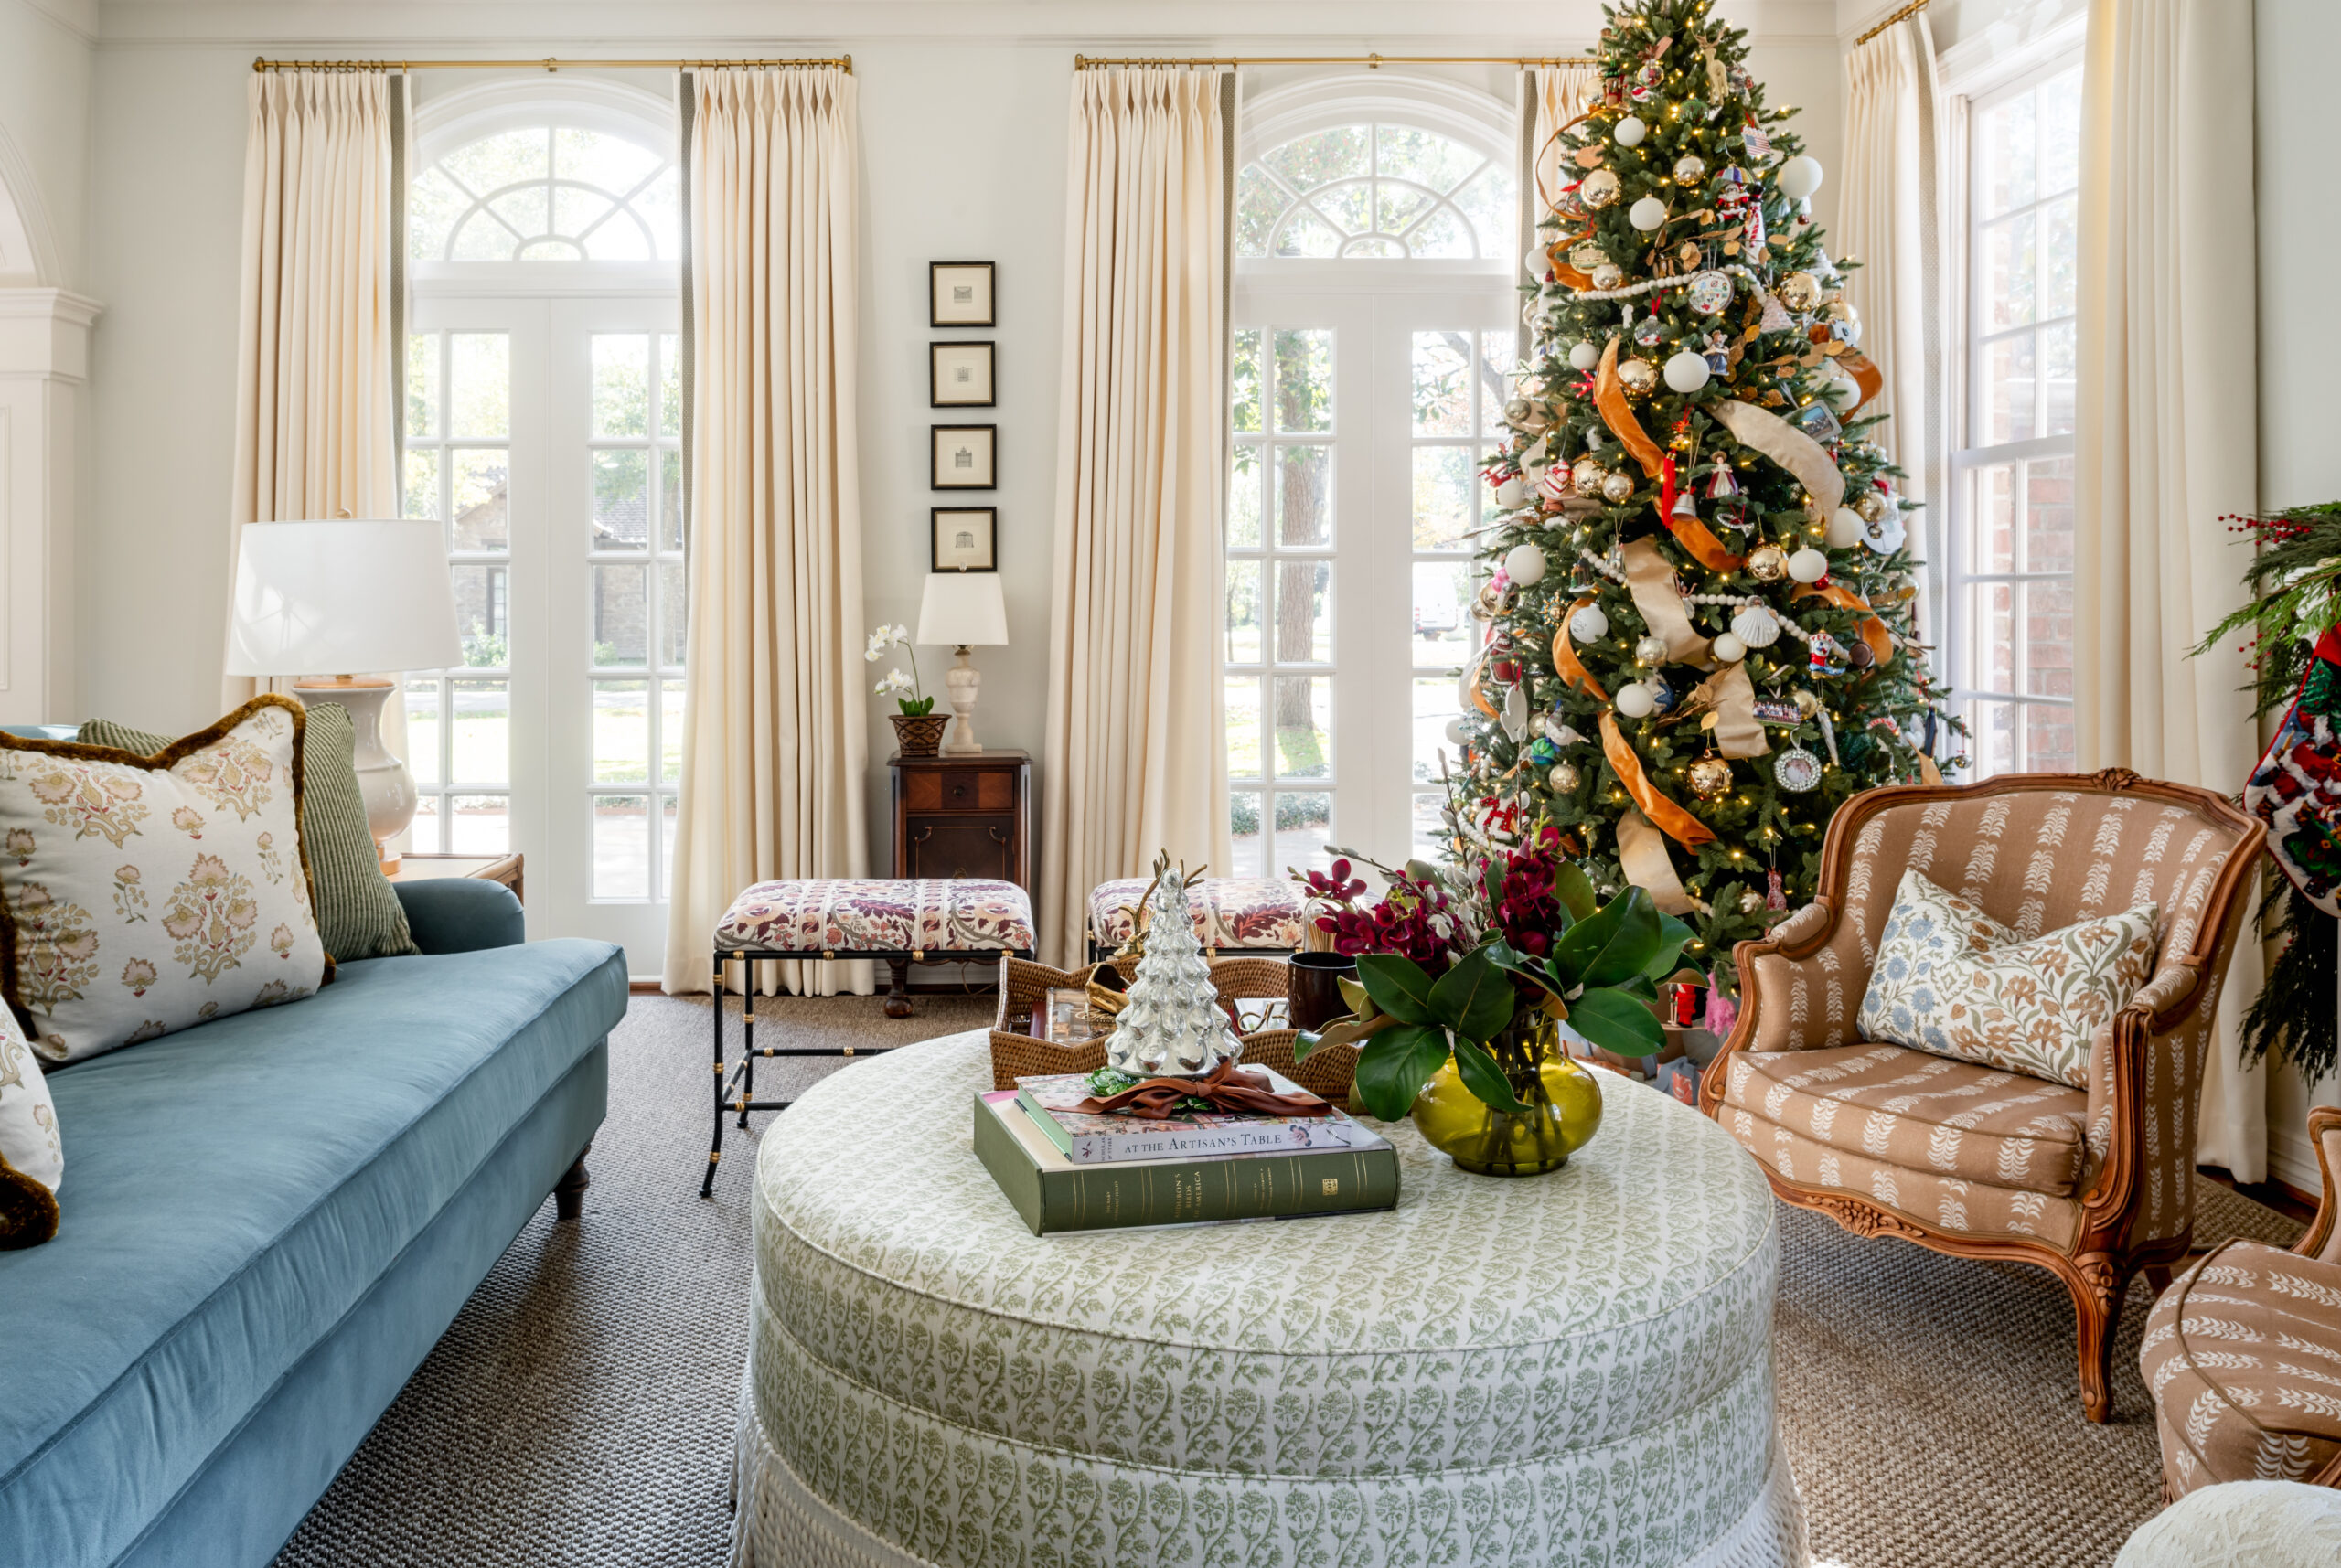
1364	410
545	433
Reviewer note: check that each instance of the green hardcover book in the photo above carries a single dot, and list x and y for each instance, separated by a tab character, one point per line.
1051	1193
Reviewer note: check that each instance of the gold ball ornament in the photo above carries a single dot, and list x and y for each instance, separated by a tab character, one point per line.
1608	275
1689	167
1563	778
1710	776
1799	291
1587	474
1587	256
1601	188
1650	650
1639	375
1871	506
1617	488
1767	563
1750	901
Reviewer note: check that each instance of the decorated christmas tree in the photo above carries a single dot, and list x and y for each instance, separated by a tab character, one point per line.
1173	1026
1699	629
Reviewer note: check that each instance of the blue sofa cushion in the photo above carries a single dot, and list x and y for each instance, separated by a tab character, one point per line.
234	1190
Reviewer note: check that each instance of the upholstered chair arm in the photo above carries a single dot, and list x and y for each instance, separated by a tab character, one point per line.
1799	989
2323	1240
2140	1130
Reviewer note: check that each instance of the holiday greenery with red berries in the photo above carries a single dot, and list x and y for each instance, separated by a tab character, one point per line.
1700	636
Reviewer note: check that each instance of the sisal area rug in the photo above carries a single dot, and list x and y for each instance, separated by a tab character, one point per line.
579	1411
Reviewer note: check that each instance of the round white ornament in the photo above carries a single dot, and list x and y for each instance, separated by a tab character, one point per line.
1456	733
1636	700
1797	769
1584	357
1730	648
1589	624
1648	214
1630	130
1800	176
1845	528
1524	564
1842	394
1537	262
1808	565
1511	492
1686	372
1710	292
1756	626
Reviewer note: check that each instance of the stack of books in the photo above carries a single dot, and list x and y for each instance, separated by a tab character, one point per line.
1068	1170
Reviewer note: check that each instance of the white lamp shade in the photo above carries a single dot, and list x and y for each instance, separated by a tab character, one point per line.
962	609
342	597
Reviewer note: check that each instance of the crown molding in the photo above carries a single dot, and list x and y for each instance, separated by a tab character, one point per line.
1446	27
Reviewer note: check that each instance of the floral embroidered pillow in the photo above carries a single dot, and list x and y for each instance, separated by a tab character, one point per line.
143	895
32	1159
1951	980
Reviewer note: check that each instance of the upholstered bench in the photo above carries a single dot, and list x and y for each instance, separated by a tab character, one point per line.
2242	1354
806	920
1231	914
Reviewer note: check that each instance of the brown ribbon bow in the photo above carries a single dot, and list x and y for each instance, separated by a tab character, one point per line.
1227	1087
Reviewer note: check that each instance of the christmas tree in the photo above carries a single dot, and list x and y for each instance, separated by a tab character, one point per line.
1173	1026
1700	619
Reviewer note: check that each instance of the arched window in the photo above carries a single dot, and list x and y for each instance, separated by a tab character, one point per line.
570	176
1375	335
1375	189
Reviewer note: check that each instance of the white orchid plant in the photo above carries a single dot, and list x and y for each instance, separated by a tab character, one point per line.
902	688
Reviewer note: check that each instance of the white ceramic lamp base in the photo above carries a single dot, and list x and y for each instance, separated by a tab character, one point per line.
961	680
383	781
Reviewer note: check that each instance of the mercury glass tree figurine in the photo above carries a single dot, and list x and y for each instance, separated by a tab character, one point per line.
1173	1026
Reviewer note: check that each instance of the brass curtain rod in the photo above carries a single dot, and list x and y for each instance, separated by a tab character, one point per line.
1904	15
843	62
1371	62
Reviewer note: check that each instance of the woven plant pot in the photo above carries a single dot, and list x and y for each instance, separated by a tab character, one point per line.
919	735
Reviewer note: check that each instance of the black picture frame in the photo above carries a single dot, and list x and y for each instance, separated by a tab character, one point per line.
946	361
955	557
945	304
981	442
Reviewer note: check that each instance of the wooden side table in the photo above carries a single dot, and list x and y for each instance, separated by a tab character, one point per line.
964	816
415	867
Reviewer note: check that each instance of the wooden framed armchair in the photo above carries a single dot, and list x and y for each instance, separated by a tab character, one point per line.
2092	1184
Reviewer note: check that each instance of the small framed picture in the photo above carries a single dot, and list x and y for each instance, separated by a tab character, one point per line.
959	293
963	538
966	457
958	375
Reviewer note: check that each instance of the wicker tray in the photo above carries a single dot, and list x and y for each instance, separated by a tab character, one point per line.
1023	984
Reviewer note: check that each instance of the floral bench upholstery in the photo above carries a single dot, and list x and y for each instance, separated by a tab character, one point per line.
1231	914
903	922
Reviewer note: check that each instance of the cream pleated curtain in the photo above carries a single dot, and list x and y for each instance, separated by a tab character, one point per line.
2167	437
1133	761
1889	218
774	741
1550	97
317	364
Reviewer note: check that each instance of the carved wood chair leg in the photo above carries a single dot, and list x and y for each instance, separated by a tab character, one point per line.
568	1192
2097	1309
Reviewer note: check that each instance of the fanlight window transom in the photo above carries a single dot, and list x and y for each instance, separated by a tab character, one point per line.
545	192
1374	191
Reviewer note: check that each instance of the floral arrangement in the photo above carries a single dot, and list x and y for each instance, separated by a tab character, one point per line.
903	688
1415	917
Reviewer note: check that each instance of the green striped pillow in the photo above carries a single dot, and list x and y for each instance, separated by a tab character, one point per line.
358	913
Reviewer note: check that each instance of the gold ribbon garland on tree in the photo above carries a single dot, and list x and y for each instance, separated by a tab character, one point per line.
1803	456
1642	855
1564	660
1670	819
1610	401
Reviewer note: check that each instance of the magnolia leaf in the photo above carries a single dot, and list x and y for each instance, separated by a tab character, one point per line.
1674	935
1617	1021
1473	998
1575	890
1511	961
1483	1077
1354	995
1393	1069
1398	986
1615	941
1347	1030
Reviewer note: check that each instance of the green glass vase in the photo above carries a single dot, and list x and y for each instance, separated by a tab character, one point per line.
1563	1097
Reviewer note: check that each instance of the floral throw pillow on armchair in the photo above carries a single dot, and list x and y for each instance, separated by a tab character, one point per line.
141	895
1952	981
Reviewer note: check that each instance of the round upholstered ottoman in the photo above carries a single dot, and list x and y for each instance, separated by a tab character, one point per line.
1568	1369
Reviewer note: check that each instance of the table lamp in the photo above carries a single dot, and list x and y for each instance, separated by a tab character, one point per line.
962	609
328	600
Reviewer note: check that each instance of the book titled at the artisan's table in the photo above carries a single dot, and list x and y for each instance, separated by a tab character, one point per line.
1098	1139
1052	1193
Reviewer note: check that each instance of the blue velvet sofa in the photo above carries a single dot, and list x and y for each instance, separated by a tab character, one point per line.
267	1223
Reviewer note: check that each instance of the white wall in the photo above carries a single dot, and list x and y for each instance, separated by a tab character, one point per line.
963	125
2299	231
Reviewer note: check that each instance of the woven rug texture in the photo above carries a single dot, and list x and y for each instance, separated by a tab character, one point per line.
578	1414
